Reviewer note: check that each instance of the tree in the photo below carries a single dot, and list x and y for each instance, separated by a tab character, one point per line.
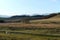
25	20
2	21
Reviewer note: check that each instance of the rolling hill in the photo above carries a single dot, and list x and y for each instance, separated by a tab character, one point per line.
57	16
55	20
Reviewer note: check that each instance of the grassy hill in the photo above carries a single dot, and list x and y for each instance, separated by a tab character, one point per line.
54	20
57	16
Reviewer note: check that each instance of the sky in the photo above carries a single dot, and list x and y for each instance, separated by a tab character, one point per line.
28	7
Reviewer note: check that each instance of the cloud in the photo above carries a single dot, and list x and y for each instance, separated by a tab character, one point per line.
7	12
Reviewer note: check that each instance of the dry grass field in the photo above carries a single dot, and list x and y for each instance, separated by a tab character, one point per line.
29	25
49	23
20	31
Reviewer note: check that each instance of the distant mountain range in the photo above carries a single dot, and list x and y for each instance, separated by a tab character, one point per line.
34	17
4	16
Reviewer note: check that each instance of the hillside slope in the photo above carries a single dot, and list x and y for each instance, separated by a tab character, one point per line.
52	20
57	16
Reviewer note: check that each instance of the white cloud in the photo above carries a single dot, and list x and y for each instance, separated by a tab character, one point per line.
7	12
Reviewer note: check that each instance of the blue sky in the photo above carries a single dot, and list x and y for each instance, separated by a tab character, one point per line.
28	7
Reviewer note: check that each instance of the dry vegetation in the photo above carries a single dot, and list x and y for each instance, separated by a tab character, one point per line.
29	25
45	25
49	23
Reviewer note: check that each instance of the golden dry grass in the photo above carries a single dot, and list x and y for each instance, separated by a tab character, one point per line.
29	25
